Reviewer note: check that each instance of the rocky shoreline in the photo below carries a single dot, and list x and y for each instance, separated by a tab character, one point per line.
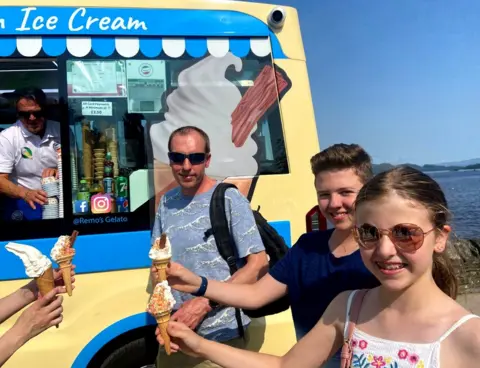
465	255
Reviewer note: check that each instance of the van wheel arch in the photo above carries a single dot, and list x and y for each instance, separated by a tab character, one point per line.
133	349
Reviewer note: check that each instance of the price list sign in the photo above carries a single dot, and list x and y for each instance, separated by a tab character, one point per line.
97	108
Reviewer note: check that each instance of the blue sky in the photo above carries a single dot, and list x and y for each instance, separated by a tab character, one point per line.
399	77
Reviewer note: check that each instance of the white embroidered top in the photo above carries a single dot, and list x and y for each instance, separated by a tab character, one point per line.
373	352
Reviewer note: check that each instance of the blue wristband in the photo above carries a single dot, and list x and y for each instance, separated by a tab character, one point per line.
203	287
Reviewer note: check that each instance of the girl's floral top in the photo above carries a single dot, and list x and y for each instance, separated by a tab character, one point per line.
373	352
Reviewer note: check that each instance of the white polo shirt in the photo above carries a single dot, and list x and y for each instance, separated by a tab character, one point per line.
24	155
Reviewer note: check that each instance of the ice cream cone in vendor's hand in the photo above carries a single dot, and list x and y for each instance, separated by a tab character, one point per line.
160	306
63	253
161	253
37	266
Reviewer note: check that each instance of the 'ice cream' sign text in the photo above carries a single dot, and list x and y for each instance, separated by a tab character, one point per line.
78	20
66	21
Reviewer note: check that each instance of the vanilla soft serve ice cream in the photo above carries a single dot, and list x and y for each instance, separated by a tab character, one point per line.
62	248
206	99
34	261
161	249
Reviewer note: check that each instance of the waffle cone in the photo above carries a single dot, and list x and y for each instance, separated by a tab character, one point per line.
65	264
161	266
162	321
45	282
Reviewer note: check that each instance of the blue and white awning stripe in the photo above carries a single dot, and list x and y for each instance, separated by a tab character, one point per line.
128	47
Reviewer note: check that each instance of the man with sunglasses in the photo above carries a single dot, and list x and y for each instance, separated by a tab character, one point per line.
28	153
183	214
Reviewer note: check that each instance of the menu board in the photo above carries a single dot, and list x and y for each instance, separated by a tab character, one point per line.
96	78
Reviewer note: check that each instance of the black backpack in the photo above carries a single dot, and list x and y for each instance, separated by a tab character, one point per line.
274	246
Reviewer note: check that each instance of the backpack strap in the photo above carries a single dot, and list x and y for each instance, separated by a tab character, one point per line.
353	313
220	228
223	239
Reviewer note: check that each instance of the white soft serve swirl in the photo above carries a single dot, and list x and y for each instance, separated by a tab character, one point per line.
206	99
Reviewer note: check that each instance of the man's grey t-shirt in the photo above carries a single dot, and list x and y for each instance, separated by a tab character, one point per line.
186	220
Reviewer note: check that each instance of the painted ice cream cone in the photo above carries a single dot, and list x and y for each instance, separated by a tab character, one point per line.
160	306
161	253
63	253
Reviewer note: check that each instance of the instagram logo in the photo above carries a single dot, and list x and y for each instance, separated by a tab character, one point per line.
101	203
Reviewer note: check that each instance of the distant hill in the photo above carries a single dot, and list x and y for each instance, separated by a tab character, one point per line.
378	168
472	161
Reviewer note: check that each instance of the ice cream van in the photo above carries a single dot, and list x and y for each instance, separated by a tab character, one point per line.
119	77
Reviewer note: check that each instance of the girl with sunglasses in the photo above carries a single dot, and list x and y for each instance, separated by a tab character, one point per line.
410	320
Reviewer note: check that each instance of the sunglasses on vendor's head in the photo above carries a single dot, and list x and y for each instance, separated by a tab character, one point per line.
28	114
406	237
194	158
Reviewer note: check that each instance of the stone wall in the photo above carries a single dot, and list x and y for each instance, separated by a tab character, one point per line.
465	255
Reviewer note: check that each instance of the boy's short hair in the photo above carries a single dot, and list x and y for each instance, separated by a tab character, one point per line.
343	156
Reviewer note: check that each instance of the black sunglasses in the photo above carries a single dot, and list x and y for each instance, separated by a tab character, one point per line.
194	158
27	114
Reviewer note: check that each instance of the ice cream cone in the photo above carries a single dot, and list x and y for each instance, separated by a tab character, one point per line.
162	321
45	282
161	266
65	264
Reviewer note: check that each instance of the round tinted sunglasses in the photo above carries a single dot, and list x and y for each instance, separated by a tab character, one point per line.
406	237
194	158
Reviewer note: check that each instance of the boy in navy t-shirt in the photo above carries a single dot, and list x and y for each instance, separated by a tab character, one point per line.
314	277
322	264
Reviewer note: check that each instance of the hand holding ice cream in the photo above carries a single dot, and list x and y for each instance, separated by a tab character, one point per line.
183	339
37	265
182	279
41	315
47	284
160	306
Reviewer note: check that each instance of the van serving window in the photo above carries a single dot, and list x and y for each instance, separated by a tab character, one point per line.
122	97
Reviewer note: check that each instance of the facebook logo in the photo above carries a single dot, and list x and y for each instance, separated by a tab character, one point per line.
81	206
